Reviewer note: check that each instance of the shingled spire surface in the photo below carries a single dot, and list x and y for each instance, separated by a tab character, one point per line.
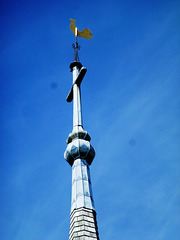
80	154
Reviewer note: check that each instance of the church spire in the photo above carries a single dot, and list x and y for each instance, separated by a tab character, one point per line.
80	154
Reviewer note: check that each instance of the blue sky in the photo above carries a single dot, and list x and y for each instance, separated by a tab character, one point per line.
130	101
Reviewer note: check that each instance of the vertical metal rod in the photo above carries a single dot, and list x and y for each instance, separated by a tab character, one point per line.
76	44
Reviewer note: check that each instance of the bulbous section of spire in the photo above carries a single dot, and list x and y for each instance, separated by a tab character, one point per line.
79	148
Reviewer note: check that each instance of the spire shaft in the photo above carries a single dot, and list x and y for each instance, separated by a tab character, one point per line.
80	154
77	112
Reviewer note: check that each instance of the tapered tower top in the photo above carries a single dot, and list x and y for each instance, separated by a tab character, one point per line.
80	154
83	147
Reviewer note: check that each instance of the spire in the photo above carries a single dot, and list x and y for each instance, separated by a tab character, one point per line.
80	154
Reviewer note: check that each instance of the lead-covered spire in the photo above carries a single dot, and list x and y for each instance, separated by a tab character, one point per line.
80	154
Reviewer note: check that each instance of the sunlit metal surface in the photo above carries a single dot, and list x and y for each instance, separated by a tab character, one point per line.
86	33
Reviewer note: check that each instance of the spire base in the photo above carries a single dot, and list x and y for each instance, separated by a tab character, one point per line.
83	225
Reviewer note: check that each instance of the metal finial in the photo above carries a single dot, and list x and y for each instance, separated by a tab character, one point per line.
76	48
86	33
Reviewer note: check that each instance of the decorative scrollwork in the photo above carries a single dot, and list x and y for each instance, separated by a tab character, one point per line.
77	47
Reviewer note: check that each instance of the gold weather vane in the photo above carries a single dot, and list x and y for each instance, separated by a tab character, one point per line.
86	33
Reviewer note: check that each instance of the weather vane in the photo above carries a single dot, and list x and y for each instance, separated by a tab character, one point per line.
86	33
